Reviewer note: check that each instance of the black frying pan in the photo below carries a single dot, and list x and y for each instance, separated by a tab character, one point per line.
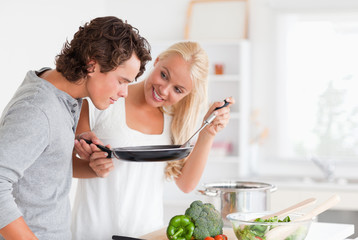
155	153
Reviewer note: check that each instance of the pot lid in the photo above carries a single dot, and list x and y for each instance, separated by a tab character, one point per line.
234	186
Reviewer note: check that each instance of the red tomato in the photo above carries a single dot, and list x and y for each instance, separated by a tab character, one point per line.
221	237
209	238
258	238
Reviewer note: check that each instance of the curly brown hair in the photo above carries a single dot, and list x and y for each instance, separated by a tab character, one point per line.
109	41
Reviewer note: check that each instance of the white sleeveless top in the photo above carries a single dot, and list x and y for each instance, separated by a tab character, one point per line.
129	201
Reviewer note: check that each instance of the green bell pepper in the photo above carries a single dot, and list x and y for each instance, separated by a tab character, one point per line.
180	228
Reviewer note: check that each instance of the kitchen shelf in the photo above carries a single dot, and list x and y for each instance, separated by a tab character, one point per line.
234	82
224	78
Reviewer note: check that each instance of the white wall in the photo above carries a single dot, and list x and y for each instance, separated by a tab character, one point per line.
32	34
157	20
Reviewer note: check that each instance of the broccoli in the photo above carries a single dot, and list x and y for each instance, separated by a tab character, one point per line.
207	220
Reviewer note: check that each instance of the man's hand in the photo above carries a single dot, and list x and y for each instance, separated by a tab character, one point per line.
84	150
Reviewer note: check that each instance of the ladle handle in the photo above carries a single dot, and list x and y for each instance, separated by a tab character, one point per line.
101	147
225	104
213	116
206	122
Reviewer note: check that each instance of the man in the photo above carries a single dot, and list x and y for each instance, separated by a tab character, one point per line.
37	128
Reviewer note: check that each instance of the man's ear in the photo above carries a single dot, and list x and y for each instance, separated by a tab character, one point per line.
91	66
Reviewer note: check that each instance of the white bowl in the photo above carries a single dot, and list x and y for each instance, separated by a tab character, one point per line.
246	228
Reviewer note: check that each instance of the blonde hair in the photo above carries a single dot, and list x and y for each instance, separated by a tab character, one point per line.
186	112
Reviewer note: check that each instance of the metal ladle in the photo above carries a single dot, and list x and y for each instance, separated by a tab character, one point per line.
205	123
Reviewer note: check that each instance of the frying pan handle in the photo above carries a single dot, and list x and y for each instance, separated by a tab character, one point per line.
116	237
101	147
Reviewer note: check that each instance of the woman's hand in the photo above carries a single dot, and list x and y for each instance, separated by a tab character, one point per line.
100	164
222	116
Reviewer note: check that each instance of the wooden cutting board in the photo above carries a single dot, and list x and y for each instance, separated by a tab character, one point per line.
161	234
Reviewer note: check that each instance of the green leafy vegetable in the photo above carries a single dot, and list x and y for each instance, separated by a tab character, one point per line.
255	232
207	220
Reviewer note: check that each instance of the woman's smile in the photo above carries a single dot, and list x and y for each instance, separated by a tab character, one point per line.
156	96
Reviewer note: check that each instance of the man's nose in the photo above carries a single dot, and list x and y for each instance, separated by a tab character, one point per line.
123	90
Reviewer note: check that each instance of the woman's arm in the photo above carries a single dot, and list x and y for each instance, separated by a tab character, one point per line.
195	164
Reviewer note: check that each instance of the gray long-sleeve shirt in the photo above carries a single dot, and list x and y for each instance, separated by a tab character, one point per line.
37	131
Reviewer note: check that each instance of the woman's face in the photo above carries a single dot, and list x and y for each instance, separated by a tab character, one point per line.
169	82
105	88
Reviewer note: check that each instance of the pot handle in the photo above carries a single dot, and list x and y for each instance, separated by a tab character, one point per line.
208	193
274	188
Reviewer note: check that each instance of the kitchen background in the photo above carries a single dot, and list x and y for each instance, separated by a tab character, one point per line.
290	64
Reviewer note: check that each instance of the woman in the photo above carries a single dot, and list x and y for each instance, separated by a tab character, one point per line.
162	109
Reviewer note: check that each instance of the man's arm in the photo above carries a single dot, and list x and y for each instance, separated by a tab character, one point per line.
17	230
20	147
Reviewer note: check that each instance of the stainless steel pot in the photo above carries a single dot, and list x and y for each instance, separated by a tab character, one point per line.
238	196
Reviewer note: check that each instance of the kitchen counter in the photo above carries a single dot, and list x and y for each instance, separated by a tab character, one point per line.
161	234
330	231
318	231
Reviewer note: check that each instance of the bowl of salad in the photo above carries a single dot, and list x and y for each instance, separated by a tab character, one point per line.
250	226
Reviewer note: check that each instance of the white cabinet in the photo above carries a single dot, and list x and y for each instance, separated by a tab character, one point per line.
235	59
229	154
